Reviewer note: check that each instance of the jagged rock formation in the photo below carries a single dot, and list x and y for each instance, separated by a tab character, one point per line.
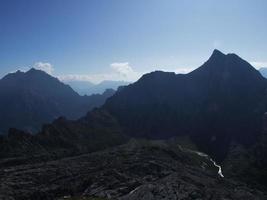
97	130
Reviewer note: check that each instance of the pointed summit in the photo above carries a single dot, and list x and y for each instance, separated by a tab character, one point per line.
32	70
225	95
216	55
216	52
227	67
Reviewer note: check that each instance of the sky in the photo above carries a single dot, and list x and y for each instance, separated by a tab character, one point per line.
97	40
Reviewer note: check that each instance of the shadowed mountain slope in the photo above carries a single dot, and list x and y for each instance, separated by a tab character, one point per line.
221	101
97	130
27	100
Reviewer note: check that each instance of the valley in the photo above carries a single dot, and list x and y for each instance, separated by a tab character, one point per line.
200	135
133	100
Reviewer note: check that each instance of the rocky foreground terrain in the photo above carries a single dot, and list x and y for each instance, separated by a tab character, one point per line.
133	171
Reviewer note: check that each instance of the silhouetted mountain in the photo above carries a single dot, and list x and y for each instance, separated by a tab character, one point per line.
263	71
27	100
88	88
221	101
219	107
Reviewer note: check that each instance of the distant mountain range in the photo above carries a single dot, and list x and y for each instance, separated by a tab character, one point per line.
263	71
221	102
221	107
30	99
88	88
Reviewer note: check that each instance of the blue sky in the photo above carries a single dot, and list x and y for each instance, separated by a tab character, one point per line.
122	39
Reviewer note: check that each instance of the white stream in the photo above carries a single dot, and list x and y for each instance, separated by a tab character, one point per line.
219	167
208	158
214	163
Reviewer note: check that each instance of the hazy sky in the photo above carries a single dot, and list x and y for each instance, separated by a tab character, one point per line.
121	39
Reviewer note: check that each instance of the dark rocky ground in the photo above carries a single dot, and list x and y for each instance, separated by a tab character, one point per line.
133	171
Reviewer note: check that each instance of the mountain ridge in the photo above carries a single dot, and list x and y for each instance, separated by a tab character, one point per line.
29	99
212	106
223	91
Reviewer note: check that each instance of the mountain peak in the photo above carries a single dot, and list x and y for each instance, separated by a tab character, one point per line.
216	54
33	70
227	67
